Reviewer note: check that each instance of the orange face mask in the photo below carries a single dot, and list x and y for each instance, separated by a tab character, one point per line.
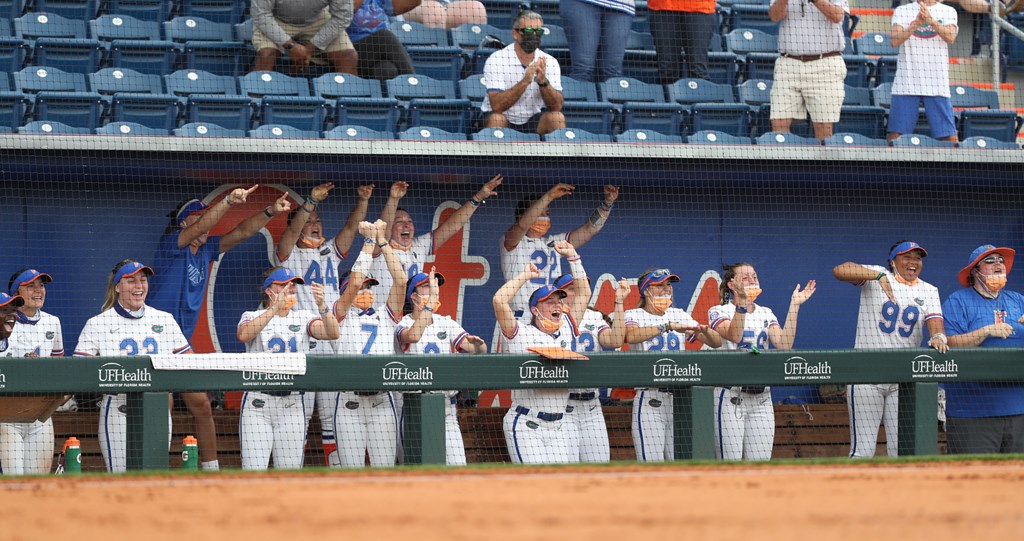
903	280
546	324
541	226
752	292
422	303
363	300
661	303
994	282
306	242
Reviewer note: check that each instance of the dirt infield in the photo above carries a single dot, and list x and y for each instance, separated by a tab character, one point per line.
926	501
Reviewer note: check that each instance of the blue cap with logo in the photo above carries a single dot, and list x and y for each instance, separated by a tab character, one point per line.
6	299
192	207
419	279
544	293
905	247
131	268
28	277
282	276
657	277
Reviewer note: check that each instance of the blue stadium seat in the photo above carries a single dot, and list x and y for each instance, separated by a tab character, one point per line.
885	70
5	27
152	57
785	138
157	111
875	44
757	94
188	82
351	131
12	54
379	114
855	95
129	128
184	29
430	102
429	133
31	80
724	68
881	95
731	118
692	91
219	11
858	70
202	129
409	87
331	86
468	36
575	135
218	57
410	33
243	31
13	108
754	17
643	105
969	97
5	83
82	10
46	127
987	143
642	19
501	13
575	90
589	116
624	89
211	99
144	10
71	55
760	65
748	40
442	63
549	10
47	25
473	89
853	140
646	136
112	27
503	135
916	140
712	137
274	131
76	109
109	81
868	121
11	9
284	100
640	61
996	124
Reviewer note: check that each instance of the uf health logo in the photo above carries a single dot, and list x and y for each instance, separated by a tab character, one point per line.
116	375
452	259
925	366
398	374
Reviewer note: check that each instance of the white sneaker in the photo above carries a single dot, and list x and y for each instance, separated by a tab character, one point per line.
70	405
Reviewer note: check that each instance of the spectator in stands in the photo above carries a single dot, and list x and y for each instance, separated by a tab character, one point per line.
810	71
183	262
302	28
922	69
448	14
527	239
682	31
522	80
744	415
381	55
985	417
597	26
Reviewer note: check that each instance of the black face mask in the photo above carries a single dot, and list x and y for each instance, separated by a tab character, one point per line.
529	42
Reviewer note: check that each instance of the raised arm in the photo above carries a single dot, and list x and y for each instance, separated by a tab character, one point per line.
294	231
615	335
387	214
582	234
732	329
360	269
502	310
857	274
518	229
414	333
212	216
343	240
254	223
325	328
456	221
249	330
783	338
580	282
396	297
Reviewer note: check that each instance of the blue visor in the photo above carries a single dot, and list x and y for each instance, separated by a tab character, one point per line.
28	277
344	283
282	276
563	281
543	293
131	268
905	247
657	277
6	299
418	280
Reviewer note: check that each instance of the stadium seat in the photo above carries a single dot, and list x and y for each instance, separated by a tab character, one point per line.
868	121
331	86
642	19
549	10
691	91
202	129
113	27
211	98
135	44
760	65
724	68
640	60
574	135
46	127
1002	125
76	109
13	108
429	133
5	27
643	105
885	69
275	131
46	25
220	58
157	111
575	90
351	131
473	89
31	80
12	54
881	95
185	29
875	44
855	95
430	102
988	143
469	36
591	116
441	63
188	82
743	41
129	128
785	138
504	134
646	136
969	97
380	114
71	55
145	10
11	9
625	89
916	140
109	81
218	11
757	94
853	140
501	13
858	70
243	31
712	107
712	137
411	33
81	10
409	87
284	100
751	16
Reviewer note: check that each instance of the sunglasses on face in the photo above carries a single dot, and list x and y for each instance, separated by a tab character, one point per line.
992	260
530	30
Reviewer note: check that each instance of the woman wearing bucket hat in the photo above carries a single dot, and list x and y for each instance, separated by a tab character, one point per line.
422	332
127	326
656	325
535	431
893	303
985	417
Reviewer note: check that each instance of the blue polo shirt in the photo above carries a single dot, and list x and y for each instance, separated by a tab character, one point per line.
179	283
965	311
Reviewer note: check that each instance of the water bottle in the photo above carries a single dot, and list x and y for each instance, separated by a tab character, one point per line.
190	453
72	456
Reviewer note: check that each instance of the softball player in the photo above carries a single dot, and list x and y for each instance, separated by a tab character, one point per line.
658	326
893	302
744	415
28	447
422	332
367	421
274	422
584	409
535	431
127	327
304	250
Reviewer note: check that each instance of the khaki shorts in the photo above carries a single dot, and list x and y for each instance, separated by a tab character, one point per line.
814	87
301	33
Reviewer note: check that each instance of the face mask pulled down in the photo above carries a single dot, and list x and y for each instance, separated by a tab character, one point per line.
994	282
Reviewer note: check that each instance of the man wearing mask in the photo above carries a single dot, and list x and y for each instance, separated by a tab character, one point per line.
522	80
985	417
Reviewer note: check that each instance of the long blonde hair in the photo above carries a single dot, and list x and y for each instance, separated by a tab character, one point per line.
110	299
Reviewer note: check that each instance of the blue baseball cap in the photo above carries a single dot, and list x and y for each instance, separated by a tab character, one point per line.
192	207
419	279
544	293
563	281
981	252
282	276
131	268
655	277
6	299
905	247
344	282
28	277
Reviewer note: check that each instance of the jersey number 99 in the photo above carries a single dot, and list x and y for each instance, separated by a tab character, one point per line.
893	320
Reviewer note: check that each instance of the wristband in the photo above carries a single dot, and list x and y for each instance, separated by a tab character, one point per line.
741	309
267	212
577	270
475	202
661	328
228	201
597	219
607	206
940	336
880	276
544	84
324	311
368	240
382	244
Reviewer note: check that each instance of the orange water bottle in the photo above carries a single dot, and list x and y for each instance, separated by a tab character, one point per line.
190	453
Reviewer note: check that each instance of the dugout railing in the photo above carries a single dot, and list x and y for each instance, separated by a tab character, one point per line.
691	375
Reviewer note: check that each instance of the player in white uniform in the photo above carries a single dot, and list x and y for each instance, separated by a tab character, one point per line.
306	252
893	302
367	421
535	429
127	327
744	415
274	422
413	251
658	326
595	334
422	332
28	447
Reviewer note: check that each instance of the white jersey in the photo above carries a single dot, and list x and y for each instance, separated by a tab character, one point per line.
443	336
882	324
590	330
536	251
922	67
755	328
666	341
40	337
371	332
314	265
412	260
283	334
118	333
528	335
